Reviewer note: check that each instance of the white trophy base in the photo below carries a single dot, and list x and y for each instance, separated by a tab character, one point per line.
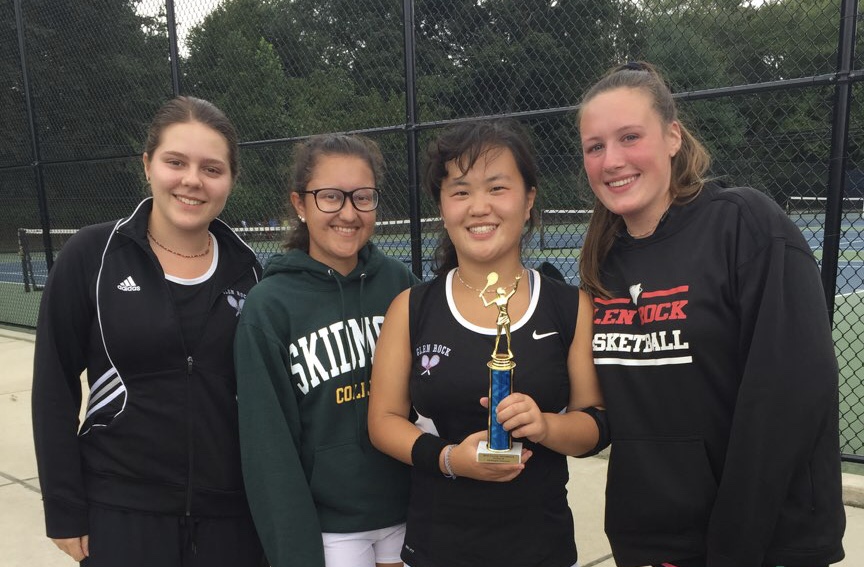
511	457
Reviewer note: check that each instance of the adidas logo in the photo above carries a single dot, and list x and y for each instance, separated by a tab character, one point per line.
128	285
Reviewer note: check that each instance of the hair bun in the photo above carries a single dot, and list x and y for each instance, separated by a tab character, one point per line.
633	66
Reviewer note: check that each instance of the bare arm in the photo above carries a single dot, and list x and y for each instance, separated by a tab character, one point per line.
390	404
574	432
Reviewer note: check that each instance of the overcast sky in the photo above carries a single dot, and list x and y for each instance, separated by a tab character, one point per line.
191	12
187	12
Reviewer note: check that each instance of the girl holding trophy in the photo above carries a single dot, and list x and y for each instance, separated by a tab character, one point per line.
429	407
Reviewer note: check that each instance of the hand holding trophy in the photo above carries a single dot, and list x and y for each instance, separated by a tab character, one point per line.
484	505
499	446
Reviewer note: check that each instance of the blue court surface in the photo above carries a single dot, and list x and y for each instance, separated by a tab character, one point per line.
557	244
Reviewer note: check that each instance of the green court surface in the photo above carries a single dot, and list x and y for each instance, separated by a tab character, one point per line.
17	307
849	346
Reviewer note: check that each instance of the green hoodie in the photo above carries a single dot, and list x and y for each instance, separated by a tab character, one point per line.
303	353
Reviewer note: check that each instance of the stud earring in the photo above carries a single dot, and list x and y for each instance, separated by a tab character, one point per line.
302	219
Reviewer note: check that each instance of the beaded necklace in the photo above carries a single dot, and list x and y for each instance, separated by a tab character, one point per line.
165	248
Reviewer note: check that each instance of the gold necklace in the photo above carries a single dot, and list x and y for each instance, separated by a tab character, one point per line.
649	232
165	248
488	290
643	234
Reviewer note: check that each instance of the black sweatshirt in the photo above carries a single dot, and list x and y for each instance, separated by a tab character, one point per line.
717	365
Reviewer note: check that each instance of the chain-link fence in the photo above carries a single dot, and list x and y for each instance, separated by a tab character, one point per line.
770	86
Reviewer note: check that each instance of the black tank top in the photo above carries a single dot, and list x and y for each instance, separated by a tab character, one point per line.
463	522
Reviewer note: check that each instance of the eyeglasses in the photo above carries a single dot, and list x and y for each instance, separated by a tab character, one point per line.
329	200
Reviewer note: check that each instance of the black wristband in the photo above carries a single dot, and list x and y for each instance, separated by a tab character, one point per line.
603	433
426	451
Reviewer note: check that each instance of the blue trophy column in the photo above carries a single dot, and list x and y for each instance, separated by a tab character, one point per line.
499	388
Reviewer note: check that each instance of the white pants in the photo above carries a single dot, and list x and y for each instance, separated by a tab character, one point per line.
574	565
364	549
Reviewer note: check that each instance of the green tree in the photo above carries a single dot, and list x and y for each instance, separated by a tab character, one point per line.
794	127
284	69
507	55
776	141
683	42
233	63
503	56
14	134
93	94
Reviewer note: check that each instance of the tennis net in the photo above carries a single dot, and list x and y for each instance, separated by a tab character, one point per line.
852	207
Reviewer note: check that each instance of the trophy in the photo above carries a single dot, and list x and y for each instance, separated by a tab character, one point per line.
499	447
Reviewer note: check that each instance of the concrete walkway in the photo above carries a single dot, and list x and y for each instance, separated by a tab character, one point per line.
23	543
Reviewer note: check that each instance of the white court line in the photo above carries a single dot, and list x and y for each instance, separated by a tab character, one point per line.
857	291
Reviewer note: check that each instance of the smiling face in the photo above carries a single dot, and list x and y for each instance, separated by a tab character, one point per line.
189	177
485	209
336	238
627	152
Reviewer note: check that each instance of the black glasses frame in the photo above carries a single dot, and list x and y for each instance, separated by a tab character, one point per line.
346	196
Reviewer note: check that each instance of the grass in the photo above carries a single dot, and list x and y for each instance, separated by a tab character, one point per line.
17	307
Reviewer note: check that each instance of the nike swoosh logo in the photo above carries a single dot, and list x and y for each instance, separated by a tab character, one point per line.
537	337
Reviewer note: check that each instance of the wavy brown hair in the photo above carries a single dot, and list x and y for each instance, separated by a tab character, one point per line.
689	166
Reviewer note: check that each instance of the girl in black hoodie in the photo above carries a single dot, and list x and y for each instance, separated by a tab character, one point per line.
713	349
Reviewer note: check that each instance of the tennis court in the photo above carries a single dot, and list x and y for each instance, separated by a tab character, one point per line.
558	241
849	345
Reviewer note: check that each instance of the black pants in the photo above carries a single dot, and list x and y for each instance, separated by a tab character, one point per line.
136	539
701	563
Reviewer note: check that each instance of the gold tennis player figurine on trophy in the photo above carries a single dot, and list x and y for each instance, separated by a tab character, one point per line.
502	298
499	447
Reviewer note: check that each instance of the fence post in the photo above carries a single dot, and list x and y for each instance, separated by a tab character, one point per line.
24	253
411	138
172	47
839	141
41	199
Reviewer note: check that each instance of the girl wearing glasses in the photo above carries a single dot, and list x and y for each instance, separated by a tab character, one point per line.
319	492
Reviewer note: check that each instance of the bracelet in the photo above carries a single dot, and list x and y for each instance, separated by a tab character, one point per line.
426	451
447	466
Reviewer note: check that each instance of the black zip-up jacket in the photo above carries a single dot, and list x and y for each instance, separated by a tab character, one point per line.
159	431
